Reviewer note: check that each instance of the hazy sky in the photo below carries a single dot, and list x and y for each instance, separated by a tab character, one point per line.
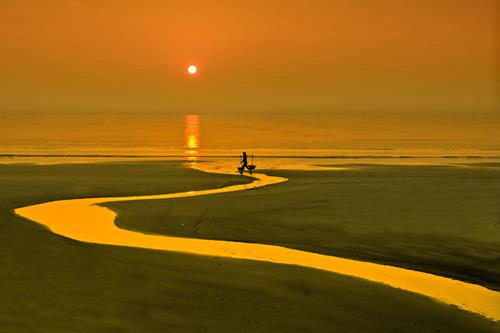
335	56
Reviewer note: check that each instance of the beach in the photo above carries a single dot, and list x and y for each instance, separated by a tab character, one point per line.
218	287
246	166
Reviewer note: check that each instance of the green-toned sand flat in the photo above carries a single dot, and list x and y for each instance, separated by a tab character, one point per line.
130	290
439	219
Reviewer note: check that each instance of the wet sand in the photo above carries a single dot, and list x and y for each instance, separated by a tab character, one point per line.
95	224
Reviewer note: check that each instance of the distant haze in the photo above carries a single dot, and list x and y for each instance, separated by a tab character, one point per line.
267	57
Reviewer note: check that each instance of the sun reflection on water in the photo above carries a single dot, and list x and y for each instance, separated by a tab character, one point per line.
192	136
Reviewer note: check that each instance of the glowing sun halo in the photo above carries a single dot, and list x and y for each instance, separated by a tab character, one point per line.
192	69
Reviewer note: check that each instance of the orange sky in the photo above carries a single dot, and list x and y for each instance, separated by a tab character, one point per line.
338	56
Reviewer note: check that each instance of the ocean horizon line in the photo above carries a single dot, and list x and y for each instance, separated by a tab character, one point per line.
260	156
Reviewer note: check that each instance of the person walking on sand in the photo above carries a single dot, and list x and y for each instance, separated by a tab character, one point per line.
244	163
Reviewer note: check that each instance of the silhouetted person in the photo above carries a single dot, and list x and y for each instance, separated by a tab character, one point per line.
244	163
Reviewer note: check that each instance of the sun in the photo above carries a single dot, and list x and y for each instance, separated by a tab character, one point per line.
192	69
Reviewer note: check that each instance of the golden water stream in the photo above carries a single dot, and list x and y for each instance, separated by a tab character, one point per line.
84	220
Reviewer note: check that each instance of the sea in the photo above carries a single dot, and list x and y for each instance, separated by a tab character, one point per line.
271	141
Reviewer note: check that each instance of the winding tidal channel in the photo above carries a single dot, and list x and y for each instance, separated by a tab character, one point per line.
84	220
